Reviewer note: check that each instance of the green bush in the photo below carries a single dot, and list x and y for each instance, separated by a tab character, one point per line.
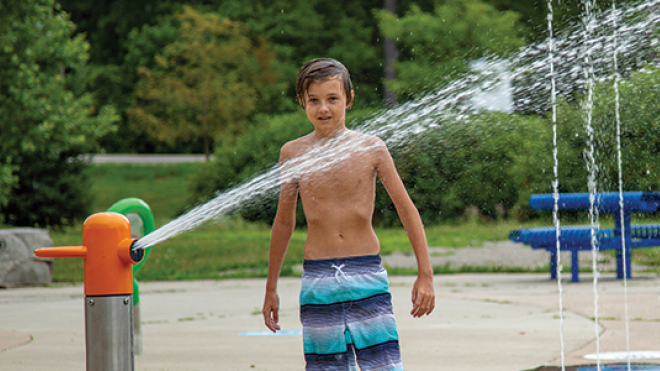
480	162
494	161
46	119
50	192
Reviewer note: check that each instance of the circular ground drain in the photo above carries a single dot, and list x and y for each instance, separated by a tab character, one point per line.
621	368
619	356
268	333
616	367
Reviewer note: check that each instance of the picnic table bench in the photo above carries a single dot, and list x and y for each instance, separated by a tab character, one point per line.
579	238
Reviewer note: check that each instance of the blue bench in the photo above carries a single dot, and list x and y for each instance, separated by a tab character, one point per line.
579	238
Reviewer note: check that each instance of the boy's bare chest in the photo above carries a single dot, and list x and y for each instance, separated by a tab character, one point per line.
342	178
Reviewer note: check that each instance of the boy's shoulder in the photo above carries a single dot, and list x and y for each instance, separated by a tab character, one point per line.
363	141
352	140
294	147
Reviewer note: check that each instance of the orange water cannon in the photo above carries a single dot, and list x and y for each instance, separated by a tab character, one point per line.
108	263
107	252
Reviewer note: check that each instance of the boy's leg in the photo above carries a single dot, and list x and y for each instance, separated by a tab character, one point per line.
327	345
338	361
373	330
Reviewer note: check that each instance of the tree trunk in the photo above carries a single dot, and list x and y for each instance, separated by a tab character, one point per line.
207	140
391	56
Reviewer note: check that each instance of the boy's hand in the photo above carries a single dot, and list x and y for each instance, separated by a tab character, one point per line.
270	310
423	297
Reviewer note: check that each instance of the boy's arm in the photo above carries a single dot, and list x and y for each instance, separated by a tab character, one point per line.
283	226
423	296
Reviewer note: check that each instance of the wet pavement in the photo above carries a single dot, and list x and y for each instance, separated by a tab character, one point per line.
482	322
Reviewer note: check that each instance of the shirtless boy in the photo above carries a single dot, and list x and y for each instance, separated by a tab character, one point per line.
345	305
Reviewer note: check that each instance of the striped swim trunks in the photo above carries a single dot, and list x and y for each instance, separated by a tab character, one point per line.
346	314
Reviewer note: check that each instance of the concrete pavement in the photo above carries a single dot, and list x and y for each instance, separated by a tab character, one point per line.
482	322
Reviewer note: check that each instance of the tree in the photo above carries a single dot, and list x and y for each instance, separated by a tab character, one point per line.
207	82
46	119
438	46
391	56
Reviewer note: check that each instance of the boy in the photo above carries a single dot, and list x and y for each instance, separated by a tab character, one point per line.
345	305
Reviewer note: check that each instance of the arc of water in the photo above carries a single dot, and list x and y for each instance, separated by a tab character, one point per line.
395	127
450	104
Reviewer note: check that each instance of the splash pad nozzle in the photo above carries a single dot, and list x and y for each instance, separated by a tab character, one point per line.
108	264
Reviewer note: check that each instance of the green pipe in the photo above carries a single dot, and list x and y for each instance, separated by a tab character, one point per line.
139	207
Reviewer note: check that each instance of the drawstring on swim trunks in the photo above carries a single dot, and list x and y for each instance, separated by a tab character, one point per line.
338	271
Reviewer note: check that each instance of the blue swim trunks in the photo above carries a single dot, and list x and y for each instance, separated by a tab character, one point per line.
346	313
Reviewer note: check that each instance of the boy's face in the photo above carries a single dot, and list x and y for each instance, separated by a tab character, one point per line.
325	103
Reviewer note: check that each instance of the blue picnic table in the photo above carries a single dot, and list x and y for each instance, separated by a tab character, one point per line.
579	238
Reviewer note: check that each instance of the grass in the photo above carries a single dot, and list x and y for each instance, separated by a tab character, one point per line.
236	249
163	186
471	233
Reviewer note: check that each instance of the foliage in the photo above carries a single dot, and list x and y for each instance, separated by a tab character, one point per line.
7	182
640	135
439	45
206	83
125	35
534	13
46	119
302	29
493	162
467	164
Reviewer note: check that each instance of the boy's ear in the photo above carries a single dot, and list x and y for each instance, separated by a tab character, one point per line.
301	101
349	105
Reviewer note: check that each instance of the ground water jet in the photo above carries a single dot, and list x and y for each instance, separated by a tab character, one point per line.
555	173
590	159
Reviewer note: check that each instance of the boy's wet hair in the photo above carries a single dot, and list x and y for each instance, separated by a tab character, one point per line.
321	69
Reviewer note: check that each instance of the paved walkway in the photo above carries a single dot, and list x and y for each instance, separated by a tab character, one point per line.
482	322
128	158
503	254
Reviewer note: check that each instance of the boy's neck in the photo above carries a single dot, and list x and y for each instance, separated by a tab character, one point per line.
330	133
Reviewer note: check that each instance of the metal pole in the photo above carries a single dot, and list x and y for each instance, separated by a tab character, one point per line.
137	329
109	332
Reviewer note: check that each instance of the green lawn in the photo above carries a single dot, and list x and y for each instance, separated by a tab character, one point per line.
163	186
233	248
